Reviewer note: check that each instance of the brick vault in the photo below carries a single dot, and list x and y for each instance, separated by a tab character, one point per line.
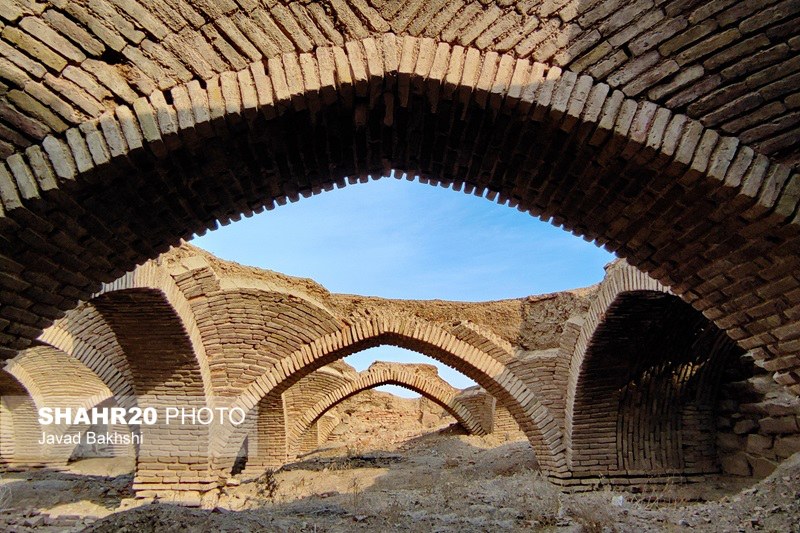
663	130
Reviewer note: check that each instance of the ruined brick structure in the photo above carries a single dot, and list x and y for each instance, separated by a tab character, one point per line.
624	385
663	130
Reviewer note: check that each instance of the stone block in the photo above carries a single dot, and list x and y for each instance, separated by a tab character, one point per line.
760	466
758	444
730	441
779	425
735	464
786	446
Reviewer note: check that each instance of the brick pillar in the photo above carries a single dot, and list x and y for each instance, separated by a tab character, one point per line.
174	460
269	449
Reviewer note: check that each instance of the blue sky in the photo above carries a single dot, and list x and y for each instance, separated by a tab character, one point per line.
401	239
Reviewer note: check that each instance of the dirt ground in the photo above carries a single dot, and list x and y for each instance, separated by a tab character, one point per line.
441	481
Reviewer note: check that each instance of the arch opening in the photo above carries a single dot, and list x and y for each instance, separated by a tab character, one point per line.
532	417
648	391
516	138
166	373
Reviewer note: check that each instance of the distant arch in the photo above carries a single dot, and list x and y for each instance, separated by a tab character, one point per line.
429	339
429	386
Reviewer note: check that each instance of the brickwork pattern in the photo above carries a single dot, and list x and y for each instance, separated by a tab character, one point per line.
142	332
43	376
431	340
729	64
304	394
643	388
422	379
720	227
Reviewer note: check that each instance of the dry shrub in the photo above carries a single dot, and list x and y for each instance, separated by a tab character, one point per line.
267	485
661	495
542	505
5	497
592	513
356	496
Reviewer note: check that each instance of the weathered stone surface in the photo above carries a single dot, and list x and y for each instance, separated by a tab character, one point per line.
745	426
787	446
761	467
736	464
778	425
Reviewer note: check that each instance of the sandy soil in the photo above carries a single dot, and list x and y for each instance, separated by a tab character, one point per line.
444	481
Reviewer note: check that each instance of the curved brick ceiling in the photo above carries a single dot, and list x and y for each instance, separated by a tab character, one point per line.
729	64
701	212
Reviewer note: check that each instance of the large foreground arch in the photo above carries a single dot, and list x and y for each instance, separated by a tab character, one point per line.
678	200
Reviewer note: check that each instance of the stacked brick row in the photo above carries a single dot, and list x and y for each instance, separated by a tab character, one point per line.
20	430
724	62
489	415
302	396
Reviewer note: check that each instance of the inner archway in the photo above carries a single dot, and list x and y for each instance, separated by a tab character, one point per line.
427	338
413	377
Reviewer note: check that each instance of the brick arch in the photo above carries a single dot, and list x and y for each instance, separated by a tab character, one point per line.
424	337
678	200
152	275
275	322
51	378
301	396
620	278
687	54
84	335
642	401
432	387
166	373
54	378
18	423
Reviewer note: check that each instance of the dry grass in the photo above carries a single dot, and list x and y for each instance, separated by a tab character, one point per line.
267	486
592	513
